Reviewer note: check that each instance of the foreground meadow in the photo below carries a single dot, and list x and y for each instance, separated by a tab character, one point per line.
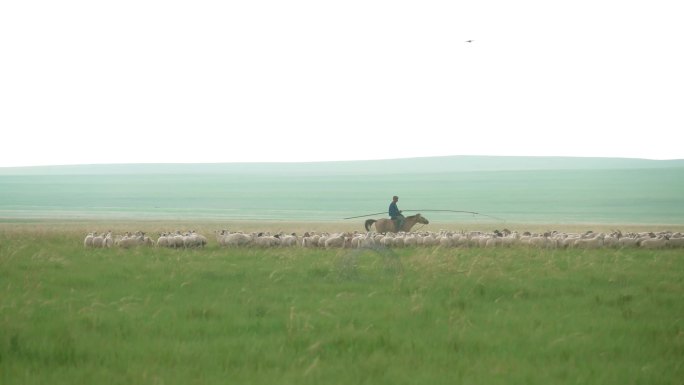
296	316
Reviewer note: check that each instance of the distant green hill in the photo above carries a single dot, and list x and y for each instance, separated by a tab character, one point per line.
384	167
541	190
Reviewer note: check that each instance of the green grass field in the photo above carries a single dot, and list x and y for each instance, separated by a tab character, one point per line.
294	316
402	316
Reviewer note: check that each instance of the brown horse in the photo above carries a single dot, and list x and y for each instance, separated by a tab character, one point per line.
386	225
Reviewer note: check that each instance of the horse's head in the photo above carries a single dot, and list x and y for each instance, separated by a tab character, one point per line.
421	219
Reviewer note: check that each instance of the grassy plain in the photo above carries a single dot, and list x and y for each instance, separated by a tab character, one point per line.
294	316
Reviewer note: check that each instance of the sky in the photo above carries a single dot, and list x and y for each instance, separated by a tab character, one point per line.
89	82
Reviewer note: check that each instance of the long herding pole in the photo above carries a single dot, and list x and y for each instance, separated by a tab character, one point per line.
429	210
367	215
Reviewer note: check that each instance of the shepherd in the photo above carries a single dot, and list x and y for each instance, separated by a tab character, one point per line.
395	214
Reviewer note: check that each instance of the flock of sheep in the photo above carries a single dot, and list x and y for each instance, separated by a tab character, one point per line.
504	238
178	239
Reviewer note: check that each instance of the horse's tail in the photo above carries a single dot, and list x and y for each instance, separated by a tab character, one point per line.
369	223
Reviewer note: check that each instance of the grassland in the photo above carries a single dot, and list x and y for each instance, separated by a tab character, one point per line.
294	316
403	316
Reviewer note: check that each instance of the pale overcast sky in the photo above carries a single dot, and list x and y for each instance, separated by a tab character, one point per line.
223	81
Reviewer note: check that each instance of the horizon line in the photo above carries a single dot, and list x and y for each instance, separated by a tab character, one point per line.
335	161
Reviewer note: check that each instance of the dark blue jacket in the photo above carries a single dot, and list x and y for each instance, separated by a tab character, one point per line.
393	210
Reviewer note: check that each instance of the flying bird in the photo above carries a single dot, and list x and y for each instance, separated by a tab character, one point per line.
468	41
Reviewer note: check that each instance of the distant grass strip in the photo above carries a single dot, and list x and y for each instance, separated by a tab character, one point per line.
406	316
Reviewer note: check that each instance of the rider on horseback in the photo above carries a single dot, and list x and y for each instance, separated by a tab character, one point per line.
395	213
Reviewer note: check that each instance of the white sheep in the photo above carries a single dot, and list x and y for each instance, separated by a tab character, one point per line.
445	240
192	239
676	241
108	240
129	240
628	241
265	240
459	240
310	240
176	240
398	240
289	240
481	240
321	240
236	240
134	240
162	241
387	240
336	240
368	241
88	241
430	240
568	240
659	242
590	242
410	240
540	241
494	241
220	236
611	241
98	240
510	240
